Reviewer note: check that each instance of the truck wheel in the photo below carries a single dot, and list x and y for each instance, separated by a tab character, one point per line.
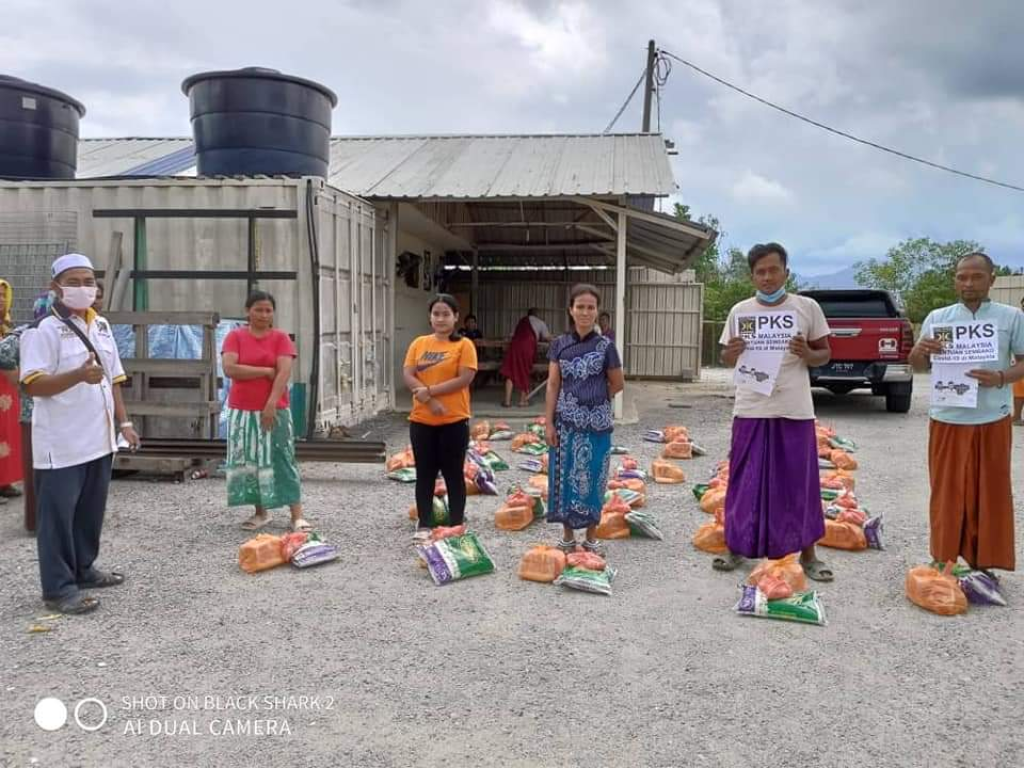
897	398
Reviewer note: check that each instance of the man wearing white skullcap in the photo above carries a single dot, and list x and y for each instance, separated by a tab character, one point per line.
71	368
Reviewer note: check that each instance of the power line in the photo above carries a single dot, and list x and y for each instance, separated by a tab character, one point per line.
625	104
837	132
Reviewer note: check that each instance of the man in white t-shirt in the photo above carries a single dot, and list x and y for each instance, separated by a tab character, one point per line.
71	368
773	501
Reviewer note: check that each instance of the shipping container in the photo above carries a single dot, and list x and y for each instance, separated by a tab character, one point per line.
202	244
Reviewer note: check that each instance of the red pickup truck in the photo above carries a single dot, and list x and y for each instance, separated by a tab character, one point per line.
871	341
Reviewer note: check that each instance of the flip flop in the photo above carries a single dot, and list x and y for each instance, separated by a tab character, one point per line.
730	562
301	526
75	605
10	492
816	570
256	522
102	580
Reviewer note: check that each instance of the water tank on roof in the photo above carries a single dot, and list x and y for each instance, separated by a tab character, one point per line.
254	121
38	131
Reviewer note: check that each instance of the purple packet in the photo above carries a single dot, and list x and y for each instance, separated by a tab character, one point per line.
436	564
873	532
981	589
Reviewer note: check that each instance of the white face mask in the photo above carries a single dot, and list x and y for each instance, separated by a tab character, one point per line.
78	297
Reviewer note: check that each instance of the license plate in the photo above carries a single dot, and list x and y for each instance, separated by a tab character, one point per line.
844	369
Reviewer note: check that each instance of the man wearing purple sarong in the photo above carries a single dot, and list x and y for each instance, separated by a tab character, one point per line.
773	502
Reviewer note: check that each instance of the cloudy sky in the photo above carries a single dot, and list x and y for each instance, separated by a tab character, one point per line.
935	78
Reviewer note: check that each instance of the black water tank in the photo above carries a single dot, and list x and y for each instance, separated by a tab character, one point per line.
38	131
258	121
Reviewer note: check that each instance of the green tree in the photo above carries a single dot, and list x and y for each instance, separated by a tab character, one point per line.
918	272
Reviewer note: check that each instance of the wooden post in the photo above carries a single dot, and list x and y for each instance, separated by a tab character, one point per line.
113	271
620	299
474	290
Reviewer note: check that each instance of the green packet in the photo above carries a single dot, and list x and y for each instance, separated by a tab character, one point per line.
585	580
533	449
456	558
405	475
843	444
495	462
830	494
699	490
644	524
804	607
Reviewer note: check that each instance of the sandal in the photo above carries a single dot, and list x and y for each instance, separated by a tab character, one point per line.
567	546
301	526
817	570
10	492
256	522
594	546
729	562
101	580
75	605
422	536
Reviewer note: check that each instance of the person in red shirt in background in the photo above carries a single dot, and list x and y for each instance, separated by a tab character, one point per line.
261	467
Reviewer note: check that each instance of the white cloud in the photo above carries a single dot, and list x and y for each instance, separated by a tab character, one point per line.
569	40
754	188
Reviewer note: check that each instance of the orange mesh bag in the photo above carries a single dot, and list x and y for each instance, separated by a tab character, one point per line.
447	531
539	483
413	513
440	489
843	478
401	460
854	516
672	434
779	578
667	473
616	505
824	447
847	501
542	563
712	500
291	542
513	518
480	431
678	450
260	553
524	438
843	460
936	591
588	560
710	537
628	462
613	526
843	536
631	483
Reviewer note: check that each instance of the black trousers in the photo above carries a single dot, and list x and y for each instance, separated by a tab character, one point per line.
440	449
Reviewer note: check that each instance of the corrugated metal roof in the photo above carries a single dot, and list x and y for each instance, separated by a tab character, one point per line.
441	167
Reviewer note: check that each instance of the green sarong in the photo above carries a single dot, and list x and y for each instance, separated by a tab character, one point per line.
261	468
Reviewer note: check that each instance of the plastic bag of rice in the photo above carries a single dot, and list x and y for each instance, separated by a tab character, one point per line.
804	607
456	558
643	524
584	580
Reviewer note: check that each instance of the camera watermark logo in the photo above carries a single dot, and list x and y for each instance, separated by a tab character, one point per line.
51	714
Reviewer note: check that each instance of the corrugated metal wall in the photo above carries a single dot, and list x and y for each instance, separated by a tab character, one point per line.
663	314
1008	289
355	281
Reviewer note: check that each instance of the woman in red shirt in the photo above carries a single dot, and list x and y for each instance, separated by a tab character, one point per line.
261	443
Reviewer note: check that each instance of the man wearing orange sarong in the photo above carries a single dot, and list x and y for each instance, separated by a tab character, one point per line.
971	509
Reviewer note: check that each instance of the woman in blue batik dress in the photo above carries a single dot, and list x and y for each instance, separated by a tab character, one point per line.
584	374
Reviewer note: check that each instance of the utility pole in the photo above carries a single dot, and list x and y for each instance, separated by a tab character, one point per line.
649	87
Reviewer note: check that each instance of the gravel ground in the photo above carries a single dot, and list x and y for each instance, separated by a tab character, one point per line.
498	672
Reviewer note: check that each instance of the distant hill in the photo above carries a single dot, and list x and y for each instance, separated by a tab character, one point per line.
844	278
